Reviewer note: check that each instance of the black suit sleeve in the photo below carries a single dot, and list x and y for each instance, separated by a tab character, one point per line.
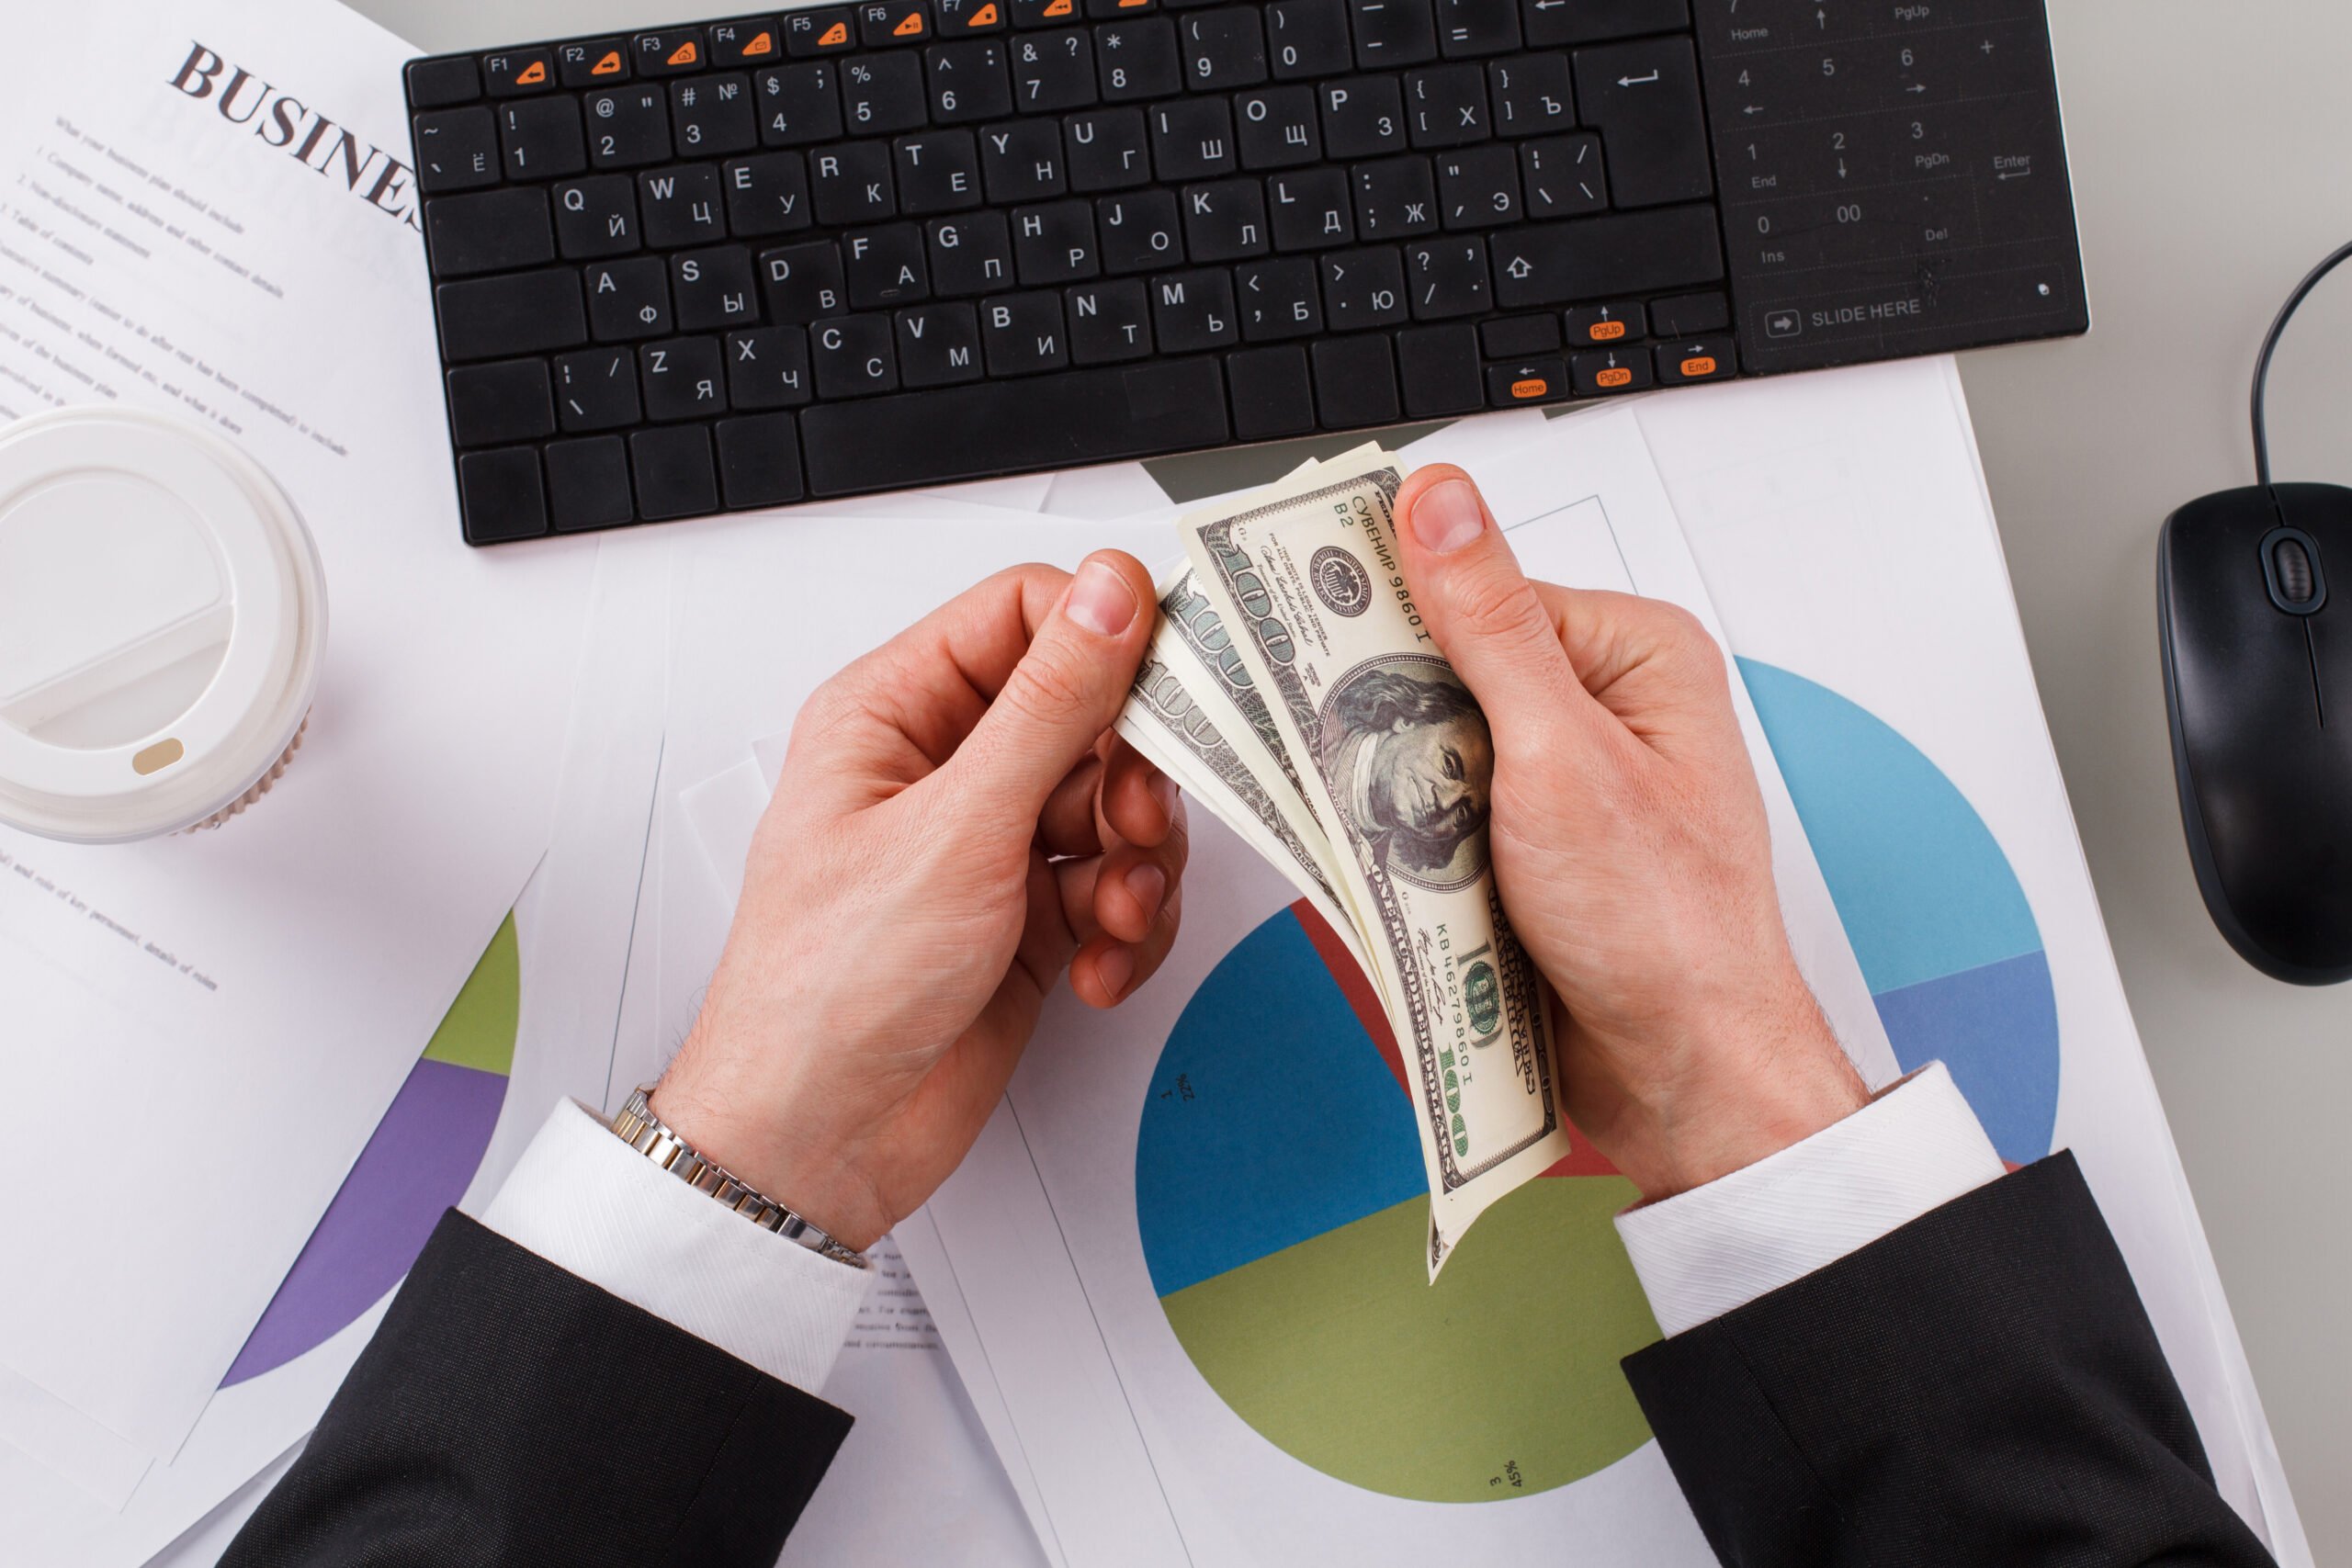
509	1413
1981	1386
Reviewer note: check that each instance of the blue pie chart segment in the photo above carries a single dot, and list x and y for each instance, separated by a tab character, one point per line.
1946	943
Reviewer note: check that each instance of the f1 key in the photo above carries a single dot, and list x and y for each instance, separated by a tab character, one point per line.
516	71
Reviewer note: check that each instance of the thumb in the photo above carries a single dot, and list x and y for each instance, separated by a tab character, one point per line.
1481	610
1066	691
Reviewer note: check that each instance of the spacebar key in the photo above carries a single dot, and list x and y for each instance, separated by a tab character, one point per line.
1003	427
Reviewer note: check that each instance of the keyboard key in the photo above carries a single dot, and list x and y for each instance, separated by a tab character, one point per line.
518	71
596	389
456	150
1589	21
1395	197
852	184
938	345
1278	128
937	172
1697	359
1529	95
1466	28
1225	220
499	496
1110	10
1439	369
1643	99
588	483
797	105
1448	277
967	81
1044	13
712	116
711	289
590	62
674	474
541	138
852	356
1023	161
810	33
596	217
1355	381
1079	416
1195	310
1363	288
1306	39
1446	106
629	300
1138	232
1600	326
1192	140
1053	71
436	84
1609	371
759	461
628	126
1108	321
683	378
884	266
1223	48
753	41
968	19
1563	176
679	206
1393	32
670	53
499	318
804	282
1363	116
491	230
1478	186
1539	380
1272	395
1054	244
1279	299
970	254
766	194
1519	337
1310	210
1023	334
767	367
1605	257
1109	150
881	23
497	405
882	95
1138	59
1689	315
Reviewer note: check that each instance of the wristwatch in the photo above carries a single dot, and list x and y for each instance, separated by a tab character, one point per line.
637	1126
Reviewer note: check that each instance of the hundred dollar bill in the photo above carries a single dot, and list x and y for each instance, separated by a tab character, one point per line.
1195	714
1396	756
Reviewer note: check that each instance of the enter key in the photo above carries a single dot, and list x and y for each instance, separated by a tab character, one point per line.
1643	98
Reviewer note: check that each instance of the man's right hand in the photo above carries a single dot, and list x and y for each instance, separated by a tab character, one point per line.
1632	856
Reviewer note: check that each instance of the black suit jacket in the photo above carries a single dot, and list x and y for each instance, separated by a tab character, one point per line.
1980	1387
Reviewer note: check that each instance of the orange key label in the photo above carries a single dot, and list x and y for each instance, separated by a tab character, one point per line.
1533	387
1621	376
835	36
764	44
1607	331
1702	365
1060	8
685	54
910	27
607	66
983	17
533	74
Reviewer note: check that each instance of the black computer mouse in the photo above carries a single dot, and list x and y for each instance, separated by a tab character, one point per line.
2253	590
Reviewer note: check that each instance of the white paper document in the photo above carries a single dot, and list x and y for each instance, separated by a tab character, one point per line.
205	209
1218	1346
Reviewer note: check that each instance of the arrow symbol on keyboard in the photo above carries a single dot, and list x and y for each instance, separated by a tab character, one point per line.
1636	81
1756	108
1519	267
1549	5
1916	87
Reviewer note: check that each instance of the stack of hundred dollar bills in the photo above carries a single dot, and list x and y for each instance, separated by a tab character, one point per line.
1293	689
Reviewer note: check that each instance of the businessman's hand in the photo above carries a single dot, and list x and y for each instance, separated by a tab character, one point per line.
955	826
1630	849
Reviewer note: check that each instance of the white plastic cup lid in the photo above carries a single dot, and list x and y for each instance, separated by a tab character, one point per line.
163	618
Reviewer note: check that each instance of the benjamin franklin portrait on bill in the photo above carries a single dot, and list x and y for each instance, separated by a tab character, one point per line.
1411	763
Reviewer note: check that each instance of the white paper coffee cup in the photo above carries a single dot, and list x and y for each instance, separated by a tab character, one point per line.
163	620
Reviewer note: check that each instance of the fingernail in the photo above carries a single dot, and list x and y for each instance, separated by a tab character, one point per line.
1447	516
1147	882
1101	601
1115	966
1163	790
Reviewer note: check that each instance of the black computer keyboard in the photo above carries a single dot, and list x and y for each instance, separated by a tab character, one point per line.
865	247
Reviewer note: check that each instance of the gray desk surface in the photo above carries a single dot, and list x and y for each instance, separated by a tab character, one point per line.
2210	165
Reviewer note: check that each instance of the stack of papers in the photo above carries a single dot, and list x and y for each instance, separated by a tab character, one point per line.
500	870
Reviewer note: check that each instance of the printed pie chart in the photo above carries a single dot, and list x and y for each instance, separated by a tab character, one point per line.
417	1162
1278	1181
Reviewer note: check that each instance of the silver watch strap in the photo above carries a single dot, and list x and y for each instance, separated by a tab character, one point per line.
637	1126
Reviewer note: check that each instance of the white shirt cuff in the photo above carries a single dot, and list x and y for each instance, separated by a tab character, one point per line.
595	1207
1913	1148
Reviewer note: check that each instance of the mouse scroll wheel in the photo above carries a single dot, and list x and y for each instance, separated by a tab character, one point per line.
2290	565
